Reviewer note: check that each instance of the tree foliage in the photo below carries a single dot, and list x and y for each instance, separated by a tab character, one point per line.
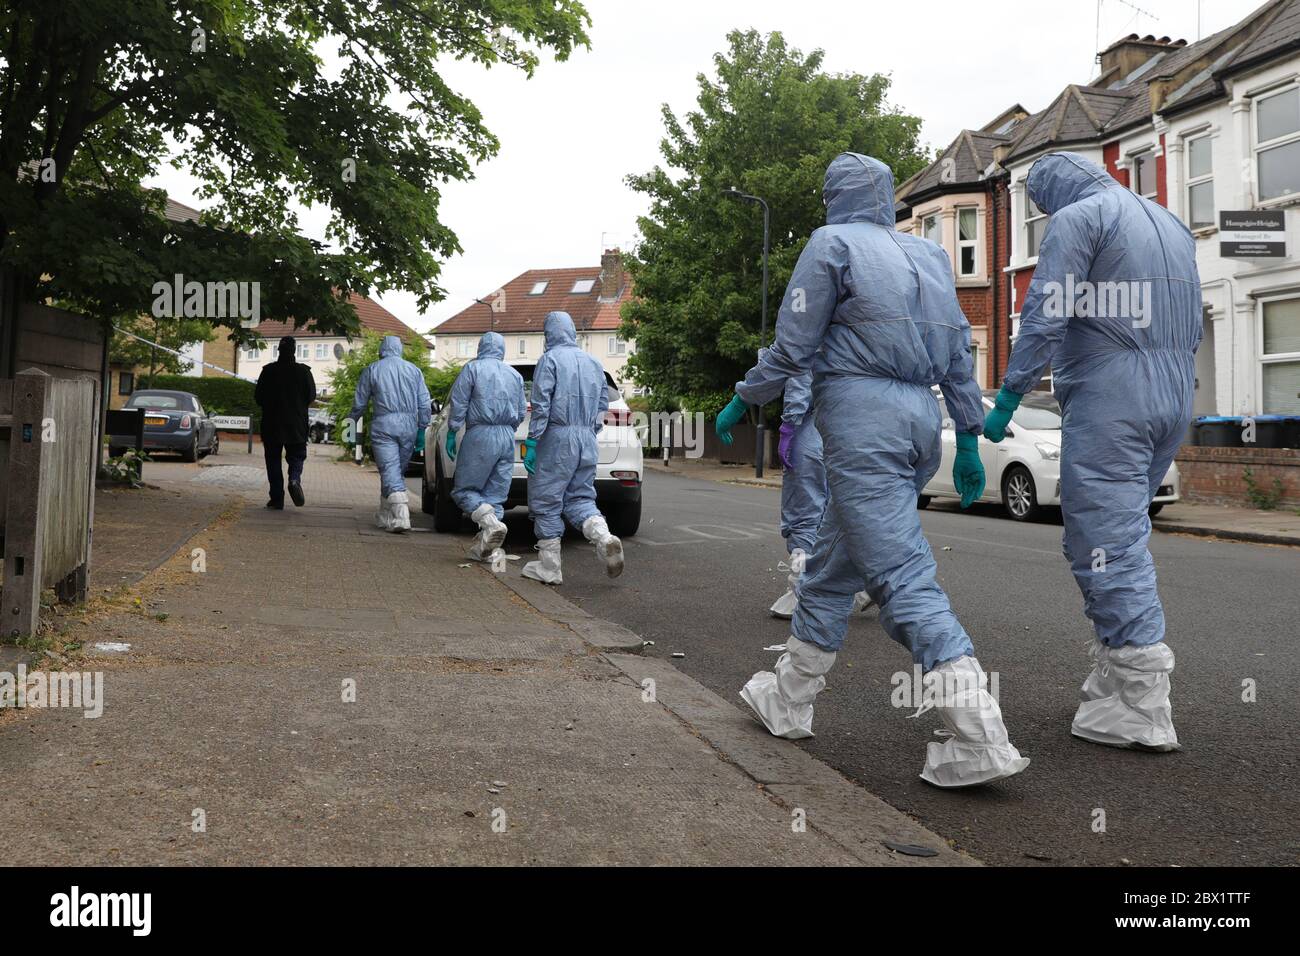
334	103
768	123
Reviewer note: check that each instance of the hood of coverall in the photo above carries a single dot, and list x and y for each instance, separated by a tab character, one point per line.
390	346
492	345
559	330
858	189
1060	179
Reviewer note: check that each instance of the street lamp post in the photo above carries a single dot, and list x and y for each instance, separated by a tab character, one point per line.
492	314
735	193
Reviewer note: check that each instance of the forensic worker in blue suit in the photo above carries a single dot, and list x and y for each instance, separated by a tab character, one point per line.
803	489
873	313
1115	308
402	409
569	403
487	400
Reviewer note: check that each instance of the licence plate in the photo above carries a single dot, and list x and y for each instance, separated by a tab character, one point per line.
155	419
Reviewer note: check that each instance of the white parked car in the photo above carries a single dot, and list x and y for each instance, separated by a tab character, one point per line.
618	469
1023	471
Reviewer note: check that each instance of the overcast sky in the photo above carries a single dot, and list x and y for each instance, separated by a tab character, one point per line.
555	191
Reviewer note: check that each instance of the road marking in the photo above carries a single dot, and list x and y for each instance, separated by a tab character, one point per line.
732	533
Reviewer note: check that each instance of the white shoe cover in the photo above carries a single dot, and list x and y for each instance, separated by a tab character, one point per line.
491	533
785	605
394	512
547	569
1126	698
784	701
861	601
979	750
609	549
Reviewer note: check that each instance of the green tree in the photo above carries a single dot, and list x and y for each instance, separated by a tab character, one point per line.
334	103
768	123
343	380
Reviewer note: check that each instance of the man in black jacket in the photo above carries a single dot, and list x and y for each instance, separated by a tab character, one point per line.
284	390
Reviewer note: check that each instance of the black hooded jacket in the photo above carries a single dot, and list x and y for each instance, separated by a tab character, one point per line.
284	391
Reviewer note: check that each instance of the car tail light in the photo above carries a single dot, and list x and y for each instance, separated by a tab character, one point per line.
618	416
625	477
185	421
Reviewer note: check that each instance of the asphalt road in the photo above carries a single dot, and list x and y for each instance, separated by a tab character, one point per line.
703	570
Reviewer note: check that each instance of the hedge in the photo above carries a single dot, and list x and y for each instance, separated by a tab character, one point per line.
219	396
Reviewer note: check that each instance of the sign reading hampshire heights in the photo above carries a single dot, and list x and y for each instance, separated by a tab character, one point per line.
1253	234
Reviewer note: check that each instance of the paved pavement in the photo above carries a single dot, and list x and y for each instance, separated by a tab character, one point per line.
704	569
301	688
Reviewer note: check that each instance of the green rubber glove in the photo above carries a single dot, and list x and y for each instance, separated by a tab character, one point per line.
451	444
967	469
995	425
728	417
530	456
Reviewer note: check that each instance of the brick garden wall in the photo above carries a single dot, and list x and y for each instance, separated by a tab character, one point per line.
1217	475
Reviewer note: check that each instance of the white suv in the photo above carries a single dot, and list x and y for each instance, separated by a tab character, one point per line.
1023	471
618	468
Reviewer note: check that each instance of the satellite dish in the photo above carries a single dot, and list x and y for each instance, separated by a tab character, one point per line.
338	350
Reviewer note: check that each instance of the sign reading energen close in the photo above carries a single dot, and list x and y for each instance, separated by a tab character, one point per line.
1252	234
234	423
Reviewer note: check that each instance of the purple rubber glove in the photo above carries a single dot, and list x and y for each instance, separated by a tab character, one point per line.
786	445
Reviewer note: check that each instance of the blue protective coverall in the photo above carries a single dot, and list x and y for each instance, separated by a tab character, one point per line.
401	400
873	314
569	403
803	488
488	401
1115	308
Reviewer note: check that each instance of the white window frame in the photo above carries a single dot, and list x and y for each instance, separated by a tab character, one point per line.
304	352
1270	358
1031	255
937	218
523	346
539	287
973	244
1189	181
588	283
616	347
252	355
322	351
1152	153
1264	147
463	347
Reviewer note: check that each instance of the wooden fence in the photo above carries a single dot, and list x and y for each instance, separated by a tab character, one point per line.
49	435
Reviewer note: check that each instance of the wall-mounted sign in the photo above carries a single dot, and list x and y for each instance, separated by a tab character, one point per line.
1253	234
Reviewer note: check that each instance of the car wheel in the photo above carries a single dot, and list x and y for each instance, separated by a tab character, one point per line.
446	516
428	502
624	518
1019	496
922	502
191	453
1154	510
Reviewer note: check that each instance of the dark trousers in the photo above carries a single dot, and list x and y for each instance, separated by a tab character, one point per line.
295	453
